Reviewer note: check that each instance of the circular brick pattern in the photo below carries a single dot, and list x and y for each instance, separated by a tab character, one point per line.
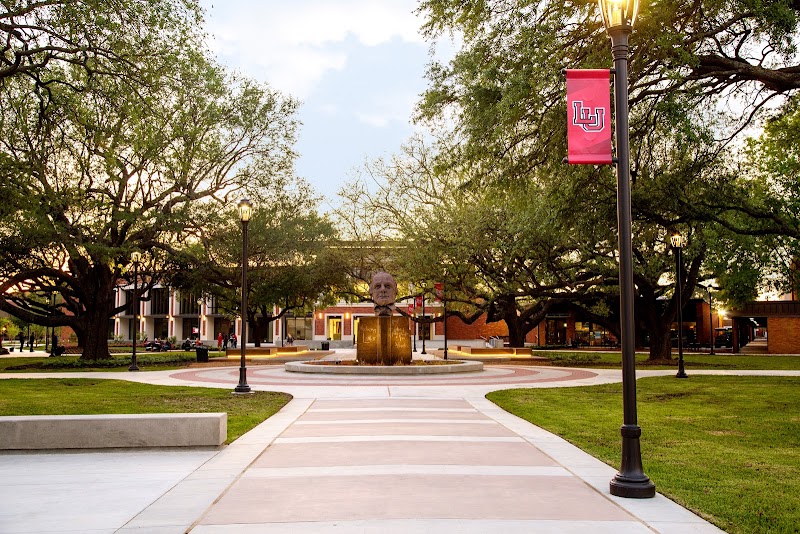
491	375
313	367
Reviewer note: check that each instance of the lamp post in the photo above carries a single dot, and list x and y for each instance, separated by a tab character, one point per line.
245	212
444	314
53	339
199	320
47	330
416	325
677	243
710	318
630	481
136	258
427	325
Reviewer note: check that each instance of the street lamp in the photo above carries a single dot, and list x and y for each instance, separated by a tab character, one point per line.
416	325
199	320
136	258
444	308
427	326
245	212
710	316
630	481
677	243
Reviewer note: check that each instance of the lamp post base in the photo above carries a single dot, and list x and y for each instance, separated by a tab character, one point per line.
681	370
632	488
242	387
631	482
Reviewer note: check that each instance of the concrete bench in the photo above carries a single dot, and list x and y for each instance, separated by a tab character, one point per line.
294	348
266	351
30	432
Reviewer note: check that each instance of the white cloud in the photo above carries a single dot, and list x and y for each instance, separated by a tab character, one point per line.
385	109
293	45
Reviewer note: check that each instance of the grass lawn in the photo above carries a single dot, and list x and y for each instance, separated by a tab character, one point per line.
148	361
691	360
82	396
727	448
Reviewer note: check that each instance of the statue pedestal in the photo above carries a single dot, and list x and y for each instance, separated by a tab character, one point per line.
383	341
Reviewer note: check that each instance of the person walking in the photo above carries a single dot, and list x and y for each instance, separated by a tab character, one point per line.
219	341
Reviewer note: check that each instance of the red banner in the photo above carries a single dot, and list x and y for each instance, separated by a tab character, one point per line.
438	289
419	302
589	116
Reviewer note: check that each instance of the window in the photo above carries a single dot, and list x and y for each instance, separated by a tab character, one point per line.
189	305
159	301
300	327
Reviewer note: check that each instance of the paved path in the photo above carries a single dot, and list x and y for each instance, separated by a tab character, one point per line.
348	454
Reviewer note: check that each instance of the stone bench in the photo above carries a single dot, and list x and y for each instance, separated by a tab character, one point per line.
30	432
265	351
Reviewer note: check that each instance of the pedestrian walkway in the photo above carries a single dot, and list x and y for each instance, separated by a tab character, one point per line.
368	455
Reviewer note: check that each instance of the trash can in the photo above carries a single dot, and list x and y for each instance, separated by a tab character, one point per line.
326	345
202	354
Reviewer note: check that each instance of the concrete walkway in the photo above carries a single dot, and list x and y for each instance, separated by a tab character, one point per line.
348	454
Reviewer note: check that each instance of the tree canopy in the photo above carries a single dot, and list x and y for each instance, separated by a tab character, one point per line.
131	144
700	73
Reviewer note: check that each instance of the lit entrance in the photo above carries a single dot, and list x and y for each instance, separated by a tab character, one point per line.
335	328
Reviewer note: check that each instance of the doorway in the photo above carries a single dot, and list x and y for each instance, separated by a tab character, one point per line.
335	328
556	329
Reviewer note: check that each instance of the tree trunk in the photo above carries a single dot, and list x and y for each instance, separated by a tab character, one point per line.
95	345
256	331
518	327
98	304
660	344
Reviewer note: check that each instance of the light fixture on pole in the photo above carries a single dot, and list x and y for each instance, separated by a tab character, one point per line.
136	258
630	481
245	212
677	247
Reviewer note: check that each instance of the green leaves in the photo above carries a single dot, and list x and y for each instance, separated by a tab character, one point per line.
131	139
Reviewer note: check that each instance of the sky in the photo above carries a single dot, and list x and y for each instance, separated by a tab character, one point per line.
357	66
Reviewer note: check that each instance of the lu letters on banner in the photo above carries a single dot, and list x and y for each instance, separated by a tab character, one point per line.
589	116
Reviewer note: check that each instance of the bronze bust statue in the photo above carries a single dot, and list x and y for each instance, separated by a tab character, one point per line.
383	290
